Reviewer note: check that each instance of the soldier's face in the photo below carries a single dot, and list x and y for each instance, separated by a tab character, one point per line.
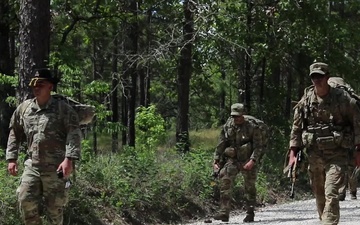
42	88
319	80
238	120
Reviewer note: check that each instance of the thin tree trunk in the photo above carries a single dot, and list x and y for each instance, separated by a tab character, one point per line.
248	58
148	63
223	111
114	96
95	77
133	35
184	75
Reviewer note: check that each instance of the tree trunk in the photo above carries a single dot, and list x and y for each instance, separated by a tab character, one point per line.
114	96
262	84
223	111
132	48
184	75
248	58
34	41
95	77
7	65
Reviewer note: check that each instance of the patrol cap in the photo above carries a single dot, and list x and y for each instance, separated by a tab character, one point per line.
319	68
42	75
237	109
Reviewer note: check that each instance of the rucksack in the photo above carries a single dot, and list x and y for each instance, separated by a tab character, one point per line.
85	112
338	82
265	131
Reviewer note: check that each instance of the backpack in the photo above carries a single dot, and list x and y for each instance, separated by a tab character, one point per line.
85	112
338	82
265	131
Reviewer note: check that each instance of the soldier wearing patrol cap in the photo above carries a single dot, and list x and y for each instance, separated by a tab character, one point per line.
51	128
241	144
326	123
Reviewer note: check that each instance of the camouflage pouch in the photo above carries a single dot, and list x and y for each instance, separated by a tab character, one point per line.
308	139
330	142
230	152
244	152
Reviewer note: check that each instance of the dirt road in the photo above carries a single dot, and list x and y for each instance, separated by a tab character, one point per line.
296	213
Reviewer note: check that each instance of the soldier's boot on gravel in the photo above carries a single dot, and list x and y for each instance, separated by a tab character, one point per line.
342	196
222	216
353	195
249	217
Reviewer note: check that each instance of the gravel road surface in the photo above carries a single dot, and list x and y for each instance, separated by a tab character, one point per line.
295	213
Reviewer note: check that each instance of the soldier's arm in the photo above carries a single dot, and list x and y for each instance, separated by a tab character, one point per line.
16	135
296	130
220	148
257	144
73	138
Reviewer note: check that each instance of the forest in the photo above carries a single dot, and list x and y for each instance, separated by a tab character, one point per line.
162	76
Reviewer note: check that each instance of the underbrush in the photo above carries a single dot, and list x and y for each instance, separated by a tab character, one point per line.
149	184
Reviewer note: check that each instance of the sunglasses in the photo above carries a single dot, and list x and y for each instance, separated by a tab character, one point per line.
317	76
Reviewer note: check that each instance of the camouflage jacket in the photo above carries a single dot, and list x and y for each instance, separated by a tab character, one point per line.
52	132
236	136
338	109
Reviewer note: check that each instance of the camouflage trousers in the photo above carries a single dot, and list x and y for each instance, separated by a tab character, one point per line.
227	177
41	191
327	173
350	181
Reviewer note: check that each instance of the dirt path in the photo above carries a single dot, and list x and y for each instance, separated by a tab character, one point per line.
296	213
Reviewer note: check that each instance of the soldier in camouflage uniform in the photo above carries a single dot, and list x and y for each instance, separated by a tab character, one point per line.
240	147
51	129
327	124
351	179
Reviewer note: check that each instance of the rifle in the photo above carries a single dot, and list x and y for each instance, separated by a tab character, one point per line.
293	172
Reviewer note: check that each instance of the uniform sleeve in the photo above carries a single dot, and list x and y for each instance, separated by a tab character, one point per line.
296	131
220	148
257	143
16	135
73	137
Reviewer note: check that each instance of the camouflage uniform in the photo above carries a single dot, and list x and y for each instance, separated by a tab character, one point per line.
327	127
52	133
350	180
237	145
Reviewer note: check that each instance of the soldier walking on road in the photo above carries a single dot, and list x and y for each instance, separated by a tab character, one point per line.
327	124
242	142
51	129
351	178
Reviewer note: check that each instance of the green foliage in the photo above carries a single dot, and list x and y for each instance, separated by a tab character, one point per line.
150	127
9	213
